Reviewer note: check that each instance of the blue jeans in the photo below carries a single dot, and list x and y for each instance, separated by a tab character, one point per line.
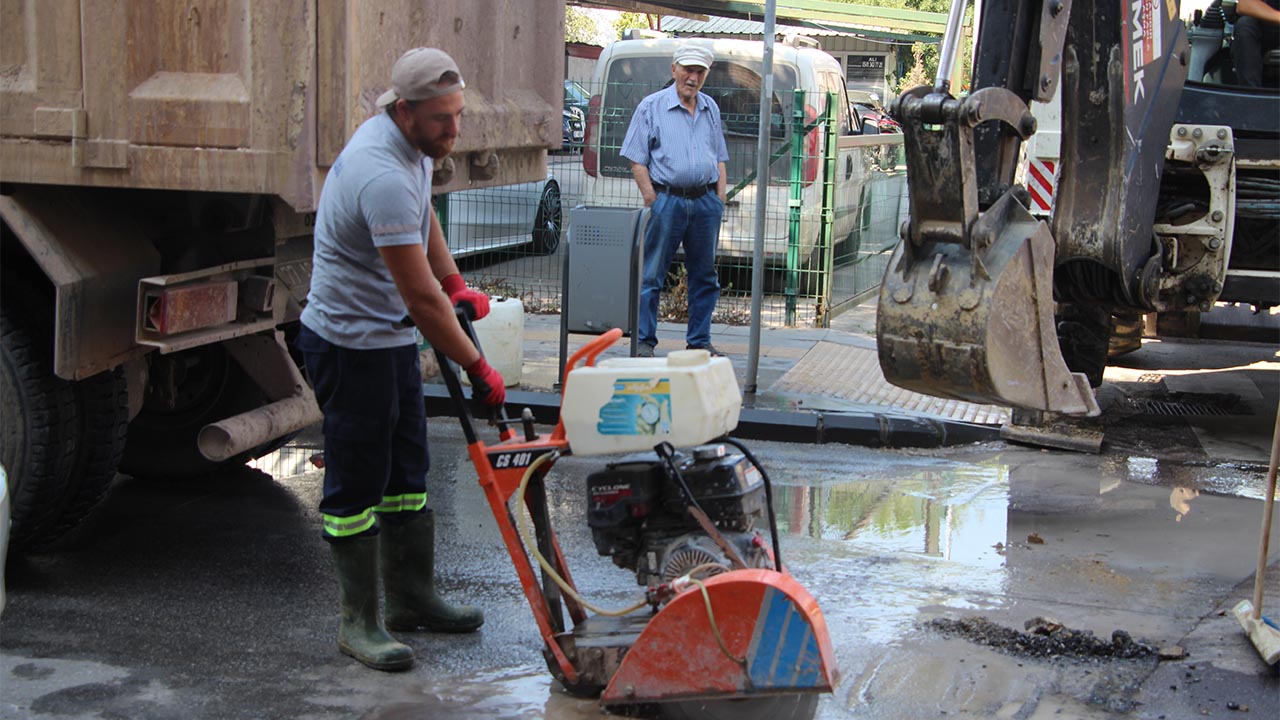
695	223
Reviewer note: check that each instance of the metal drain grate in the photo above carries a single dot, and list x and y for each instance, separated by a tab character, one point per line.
1150	377
1179	409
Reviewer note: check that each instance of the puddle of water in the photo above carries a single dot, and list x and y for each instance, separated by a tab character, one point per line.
956	516
977	537
514	694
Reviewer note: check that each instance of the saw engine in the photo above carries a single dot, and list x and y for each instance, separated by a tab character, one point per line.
643	513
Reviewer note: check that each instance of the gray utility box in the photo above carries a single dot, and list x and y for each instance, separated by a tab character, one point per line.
602	268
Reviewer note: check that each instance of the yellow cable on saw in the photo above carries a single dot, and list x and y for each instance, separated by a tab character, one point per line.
522	524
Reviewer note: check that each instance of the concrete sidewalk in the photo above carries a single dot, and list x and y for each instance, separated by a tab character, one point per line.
824	385
799	396
781	349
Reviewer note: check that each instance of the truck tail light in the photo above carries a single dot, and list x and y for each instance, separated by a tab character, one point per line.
811	156
177	309
591	156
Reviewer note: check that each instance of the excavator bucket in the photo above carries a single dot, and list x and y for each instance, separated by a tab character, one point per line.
976	322
753	644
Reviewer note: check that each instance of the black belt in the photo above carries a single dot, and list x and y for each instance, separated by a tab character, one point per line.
694	192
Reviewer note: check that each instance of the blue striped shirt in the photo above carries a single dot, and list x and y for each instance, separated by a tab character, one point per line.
679	149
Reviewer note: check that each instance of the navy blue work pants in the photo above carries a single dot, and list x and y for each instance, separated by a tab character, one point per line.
375	433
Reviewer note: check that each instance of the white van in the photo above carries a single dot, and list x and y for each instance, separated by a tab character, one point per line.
628	70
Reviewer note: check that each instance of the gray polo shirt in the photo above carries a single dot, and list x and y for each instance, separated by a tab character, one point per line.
377	194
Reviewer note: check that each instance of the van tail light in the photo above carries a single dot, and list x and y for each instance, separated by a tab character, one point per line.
590	155
811	156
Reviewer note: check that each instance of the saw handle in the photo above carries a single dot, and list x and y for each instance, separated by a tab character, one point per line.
466	312
591	351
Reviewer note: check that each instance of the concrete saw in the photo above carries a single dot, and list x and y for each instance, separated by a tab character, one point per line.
721	629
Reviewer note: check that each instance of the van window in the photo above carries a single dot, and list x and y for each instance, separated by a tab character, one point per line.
846	122
733	84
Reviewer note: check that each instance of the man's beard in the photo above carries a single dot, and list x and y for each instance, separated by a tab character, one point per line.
436	149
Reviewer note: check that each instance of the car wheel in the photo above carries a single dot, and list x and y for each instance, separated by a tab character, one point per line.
549	221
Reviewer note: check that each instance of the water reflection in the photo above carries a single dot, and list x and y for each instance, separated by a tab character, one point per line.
518	694
957	515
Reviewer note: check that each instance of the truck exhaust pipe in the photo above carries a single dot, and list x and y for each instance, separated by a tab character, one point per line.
225	439
266	359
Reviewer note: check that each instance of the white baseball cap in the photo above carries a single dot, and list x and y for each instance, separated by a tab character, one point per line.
419	75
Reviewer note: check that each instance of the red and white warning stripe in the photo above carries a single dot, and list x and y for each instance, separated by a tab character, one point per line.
1042	181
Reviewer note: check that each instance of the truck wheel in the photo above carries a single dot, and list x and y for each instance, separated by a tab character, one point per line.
204	385
548	222
1084	333
102	402
38	422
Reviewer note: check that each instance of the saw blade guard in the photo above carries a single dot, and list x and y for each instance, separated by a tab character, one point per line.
741	634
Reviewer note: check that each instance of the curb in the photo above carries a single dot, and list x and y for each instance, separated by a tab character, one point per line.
868	429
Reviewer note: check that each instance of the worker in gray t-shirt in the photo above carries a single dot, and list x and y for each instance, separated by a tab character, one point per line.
380	255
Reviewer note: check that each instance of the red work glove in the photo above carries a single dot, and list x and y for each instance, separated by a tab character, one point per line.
486	384
456	288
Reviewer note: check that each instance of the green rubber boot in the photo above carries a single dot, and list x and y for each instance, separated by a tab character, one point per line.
361	634
408	575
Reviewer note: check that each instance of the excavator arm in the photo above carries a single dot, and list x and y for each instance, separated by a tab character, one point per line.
982	301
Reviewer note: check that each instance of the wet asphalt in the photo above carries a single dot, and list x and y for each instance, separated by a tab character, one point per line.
215	599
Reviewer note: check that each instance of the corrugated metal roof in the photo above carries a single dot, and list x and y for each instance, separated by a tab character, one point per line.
730	26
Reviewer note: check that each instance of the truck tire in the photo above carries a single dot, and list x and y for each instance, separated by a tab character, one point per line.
102	404
38	427
1084	333
209	386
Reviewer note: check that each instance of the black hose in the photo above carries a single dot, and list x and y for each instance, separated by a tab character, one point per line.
768	499
667	452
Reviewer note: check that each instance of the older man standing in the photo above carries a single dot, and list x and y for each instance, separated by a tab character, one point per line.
677	151
380	254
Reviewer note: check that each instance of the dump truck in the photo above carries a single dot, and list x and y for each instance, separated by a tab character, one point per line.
160	166
1166	201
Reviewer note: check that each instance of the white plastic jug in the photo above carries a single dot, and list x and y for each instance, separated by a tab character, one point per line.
631	404
501	336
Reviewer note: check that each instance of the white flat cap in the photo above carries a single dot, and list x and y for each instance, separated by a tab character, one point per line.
691	55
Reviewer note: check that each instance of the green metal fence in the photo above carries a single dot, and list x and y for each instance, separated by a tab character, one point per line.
835	200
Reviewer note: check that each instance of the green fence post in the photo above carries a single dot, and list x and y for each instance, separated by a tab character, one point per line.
441	205
827	247
796	200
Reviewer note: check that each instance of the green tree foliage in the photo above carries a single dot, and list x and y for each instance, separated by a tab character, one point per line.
579	27
922	70
939	6
628	20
